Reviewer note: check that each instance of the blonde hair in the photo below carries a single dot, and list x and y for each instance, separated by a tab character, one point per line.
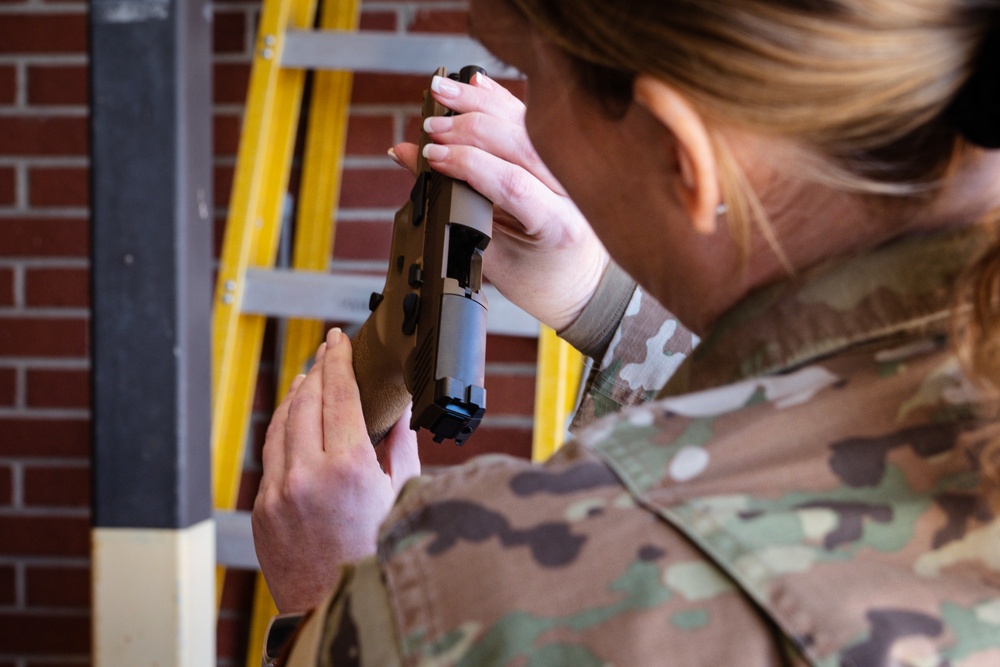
862	85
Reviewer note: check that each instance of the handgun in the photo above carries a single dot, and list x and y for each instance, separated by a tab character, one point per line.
425	339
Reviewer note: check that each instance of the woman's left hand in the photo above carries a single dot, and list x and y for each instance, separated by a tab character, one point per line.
323	493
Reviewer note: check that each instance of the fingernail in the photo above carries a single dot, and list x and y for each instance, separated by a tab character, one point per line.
444	87
438	124
334	335
395	158
320	351
435	152
483	81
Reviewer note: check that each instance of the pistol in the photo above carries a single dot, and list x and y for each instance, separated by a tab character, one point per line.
425	339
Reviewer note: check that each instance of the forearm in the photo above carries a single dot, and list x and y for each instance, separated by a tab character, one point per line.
636	344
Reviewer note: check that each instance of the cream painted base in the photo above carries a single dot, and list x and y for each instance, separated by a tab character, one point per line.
154	596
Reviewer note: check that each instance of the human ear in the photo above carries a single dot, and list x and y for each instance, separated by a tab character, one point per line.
699	178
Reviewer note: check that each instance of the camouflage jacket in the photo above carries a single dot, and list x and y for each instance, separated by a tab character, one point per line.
803	491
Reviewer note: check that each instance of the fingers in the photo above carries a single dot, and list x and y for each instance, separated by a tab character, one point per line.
483	94
343	421
497	136
273	454
402	459
507	185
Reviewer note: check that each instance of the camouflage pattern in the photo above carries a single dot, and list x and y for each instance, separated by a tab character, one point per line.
804	491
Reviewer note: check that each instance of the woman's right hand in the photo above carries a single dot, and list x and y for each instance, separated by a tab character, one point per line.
543	256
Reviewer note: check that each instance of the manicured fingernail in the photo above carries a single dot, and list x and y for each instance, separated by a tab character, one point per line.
334	336
435	152
320	351
444	87
296	381
395	158
438	123
482	81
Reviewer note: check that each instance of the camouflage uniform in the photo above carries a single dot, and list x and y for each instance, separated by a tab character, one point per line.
804	490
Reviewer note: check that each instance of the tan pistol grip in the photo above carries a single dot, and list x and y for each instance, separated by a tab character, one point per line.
384	397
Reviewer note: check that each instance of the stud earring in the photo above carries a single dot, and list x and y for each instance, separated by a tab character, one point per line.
721	210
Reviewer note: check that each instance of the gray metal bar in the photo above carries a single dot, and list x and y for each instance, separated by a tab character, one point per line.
234	541
343	297
387	52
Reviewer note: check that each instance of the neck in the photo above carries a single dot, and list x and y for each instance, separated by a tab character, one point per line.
814	224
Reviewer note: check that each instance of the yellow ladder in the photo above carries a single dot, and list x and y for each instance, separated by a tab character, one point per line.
253	229
285	47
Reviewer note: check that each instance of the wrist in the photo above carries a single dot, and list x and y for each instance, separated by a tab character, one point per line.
592	330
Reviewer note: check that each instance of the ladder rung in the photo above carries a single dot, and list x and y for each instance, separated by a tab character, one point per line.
234	541
386	52
343	297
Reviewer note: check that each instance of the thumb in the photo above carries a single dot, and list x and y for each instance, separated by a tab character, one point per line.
343	422
405	155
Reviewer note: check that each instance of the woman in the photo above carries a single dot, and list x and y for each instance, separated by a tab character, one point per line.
809	188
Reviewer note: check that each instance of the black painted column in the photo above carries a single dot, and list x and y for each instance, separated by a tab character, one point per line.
153	539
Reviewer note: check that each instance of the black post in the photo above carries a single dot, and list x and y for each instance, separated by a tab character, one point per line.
150	69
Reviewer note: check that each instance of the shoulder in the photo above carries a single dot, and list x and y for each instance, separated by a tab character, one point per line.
500	560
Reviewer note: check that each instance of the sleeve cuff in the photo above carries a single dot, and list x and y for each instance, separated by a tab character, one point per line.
592	331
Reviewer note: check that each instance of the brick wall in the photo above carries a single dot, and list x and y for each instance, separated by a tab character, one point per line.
44	365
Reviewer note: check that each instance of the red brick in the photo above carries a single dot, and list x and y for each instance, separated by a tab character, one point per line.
6	488
226	133
516	442
237	593
61	587
57	84
57	287
8	186
65	388
230	82
44	237
58	186
8	84
43	337
63	486
249	483
34	135
375	188
427	20
6	287
8	585
232	635
43	33
376	21
510	394
21	436
362	240
222	184
8	386
369	135
389	89
44	634
44	536
229	32
511	349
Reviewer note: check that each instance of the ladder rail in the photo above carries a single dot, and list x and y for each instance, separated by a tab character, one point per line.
286	47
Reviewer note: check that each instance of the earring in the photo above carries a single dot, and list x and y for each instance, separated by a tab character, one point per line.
721	210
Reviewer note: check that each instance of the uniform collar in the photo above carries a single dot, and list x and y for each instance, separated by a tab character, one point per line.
897	292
